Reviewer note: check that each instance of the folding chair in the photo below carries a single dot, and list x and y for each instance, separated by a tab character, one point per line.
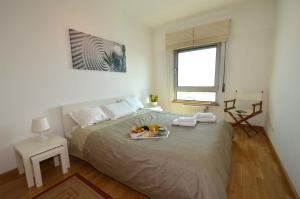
241	115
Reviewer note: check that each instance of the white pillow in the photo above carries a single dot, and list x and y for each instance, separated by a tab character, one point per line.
88	116
134	103
117	110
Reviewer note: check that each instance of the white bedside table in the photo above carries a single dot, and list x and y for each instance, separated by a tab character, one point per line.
154	108
34	146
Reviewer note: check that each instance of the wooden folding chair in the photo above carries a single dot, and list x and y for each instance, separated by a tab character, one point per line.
241	115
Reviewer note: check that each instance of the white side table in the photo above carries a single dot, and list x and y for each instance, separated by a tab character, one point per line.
154	108
34	146
56	152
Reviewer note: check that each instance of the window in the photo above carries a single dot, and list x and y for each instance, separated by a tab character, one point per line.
196	73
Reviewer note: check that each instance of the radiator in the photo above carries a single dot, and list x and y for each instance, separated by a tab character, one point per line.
187	109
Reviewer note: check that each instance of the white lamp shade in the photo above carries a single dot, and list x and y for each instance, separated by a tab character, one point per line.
39	125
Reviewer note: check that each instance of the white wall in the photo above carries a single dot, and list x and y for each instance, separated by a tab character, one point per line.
36	74
249	53
283	123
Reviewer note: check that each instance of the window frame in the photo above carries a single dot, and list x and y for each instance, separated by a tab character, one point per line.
197	88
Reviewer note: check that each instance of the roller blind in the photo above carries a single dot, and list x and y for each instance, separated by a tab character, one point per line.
200	35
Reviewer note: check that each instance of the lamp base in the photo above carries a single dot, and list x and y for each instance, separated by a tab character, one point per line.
43	137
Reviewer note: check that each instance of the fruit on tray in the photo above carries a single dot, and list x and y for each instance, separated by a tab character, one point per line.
137	129
146	128
151	127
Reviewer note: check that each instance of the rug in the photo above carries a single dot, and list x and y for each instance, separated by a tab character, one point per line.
73	187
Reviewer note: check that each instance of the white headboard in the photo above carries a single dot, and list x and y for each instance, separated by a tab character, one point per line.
68	122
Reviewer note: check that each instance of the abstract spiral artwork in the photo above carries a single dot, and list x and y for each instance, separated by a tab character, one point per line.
94	53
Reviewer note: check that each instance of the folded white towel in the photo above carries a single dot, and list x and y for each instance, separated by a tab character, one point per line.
204	115
185	121
211	120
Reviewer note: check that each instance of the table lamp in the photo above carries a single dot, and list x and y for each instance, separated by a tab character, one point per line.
147	100
40	125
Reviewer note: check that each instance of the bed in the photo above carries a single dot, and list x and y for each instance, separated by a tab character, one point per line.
192	163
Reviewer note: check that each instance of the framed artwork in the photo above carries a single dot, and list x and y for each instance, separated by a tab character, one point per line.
94	53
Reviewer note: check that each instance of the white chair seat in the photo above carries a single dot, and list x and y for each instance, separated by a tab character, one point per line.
239	111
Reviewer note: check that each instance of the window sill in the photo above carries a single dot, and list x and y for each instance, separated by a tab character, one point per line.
195	103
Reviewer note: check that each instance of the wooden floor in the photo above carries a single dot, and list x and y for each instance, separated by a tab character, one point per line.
255	174
255	171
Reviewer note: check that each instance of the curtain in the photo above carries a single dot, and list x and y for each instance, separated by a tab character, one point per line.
199	36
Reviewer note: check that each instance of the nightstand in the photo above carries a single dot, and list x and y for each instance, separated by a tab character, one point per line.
34	149
154	108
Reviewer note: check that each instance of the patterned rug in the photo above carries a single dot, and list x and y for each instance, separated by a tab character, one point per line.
74	187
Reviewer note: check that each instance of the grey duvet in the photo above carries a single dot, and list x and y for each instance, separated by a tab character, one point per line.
192	163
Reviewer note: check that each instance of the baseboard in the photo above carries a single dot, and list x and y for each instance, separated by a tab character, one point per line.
281	167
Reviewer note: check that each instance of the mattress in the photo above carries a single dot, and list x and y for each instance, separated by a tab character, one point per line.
193	162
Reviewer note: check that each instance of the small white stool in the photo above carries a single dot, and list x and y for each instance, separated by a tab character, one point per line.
58	151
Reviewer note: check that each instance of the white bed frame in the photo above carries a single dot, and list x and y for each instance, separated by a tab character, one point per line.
68	122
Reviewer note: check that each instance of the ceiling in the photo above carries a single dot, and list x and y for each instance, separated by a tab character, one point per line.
156	12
